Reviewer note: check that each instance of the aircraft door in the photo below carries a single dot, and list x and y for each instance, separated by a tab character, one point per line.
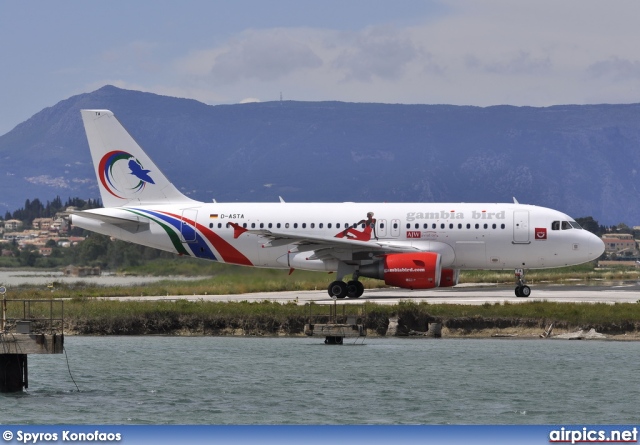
521	226
187	228
395	228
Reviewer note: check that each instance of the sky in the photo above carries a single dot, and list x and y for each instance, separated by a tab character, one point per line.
481	52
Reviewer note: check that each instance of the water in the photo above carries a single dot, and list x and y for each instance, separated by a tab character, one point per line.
15	277
230	380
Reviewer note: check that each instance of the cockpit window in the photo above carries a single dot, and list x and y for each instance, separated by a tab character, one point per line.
575	225
566	225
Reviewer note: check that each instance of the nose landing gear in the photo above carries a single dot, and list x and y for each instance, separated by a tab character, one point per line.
522	290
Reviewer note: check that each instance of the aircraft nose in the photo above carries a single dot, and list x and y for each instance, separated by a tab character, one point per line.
595	247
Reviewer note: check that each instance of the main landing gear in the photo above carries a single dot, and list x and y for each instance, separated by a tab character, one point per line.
522	290
340	289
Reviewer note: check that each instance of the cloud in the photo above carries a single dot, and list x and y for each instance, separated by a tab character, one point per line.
520	63
494	52
378	52
266	56
616	69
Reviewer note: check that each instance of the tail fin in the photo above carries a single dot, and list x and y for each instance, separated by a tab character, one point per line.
126	175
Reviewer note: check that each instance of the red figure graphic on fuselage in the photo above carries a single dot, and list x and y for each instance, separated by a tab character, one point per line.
361	235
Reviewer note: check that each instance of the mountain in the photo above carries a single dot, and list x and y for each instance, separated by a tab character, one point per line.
583	160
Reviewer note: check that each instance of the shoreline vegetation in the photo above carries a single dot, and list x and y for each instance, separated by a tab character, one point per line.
86	312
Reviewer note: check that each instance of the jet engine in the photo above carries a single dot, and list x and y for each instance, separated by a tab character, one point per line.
449	277
406	270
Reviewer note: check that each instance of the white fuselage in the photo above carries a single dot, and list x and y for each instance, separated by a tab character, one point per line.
466	235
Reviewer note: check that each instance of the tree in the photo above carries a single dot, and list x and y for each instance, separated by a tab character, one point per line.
590	224
28	256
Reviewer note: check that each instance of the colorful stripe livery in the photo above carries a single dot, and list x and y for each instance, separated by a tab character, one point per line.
204	238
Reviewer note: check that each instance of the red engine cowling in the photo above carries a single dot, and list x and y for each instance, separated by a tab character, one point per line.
407	270
449	277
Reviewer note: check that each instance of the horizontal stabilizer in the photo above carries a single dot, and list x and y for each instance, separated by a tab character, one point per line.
126	221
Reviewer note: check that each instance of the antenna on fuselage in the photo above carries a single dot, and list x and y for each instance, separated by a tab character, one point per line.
515	201
281	200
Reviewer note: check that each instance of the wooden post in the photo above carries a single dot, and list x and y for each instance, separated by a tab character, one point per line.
13	372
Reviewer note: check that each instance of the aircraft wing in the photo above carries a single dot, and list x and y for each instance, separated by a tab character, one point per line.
306	242
325	248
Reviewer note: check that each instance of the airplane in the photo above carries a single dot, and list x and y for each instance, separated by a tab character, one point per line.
408	245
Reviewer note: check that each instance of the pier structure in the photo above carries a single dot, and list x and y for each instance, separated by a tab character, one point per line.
337	324
27	327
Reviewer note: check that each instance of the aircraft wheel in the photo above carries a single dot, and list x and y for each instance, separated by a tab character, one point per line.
518	291
360	289
337	289
525	291
355	289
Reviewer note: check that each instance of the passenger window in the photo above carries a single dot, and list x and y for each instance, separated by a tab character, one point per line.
502	226
442	226
433	226
468	226
219	225
244	225
493	226
395	225
253	225
459	225
270	225
211	225
262	225
329	226
382	225
417	226
304	225
286	226
278	225
338	226
320	226
426	226
451	226
477	226
295	225
408	226
486	226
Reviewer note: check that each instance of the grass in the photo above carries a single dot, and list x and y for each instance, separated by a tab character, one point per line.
86	307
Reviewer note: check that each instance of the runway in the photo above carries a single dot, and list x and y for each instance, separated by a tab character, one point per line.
471	294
